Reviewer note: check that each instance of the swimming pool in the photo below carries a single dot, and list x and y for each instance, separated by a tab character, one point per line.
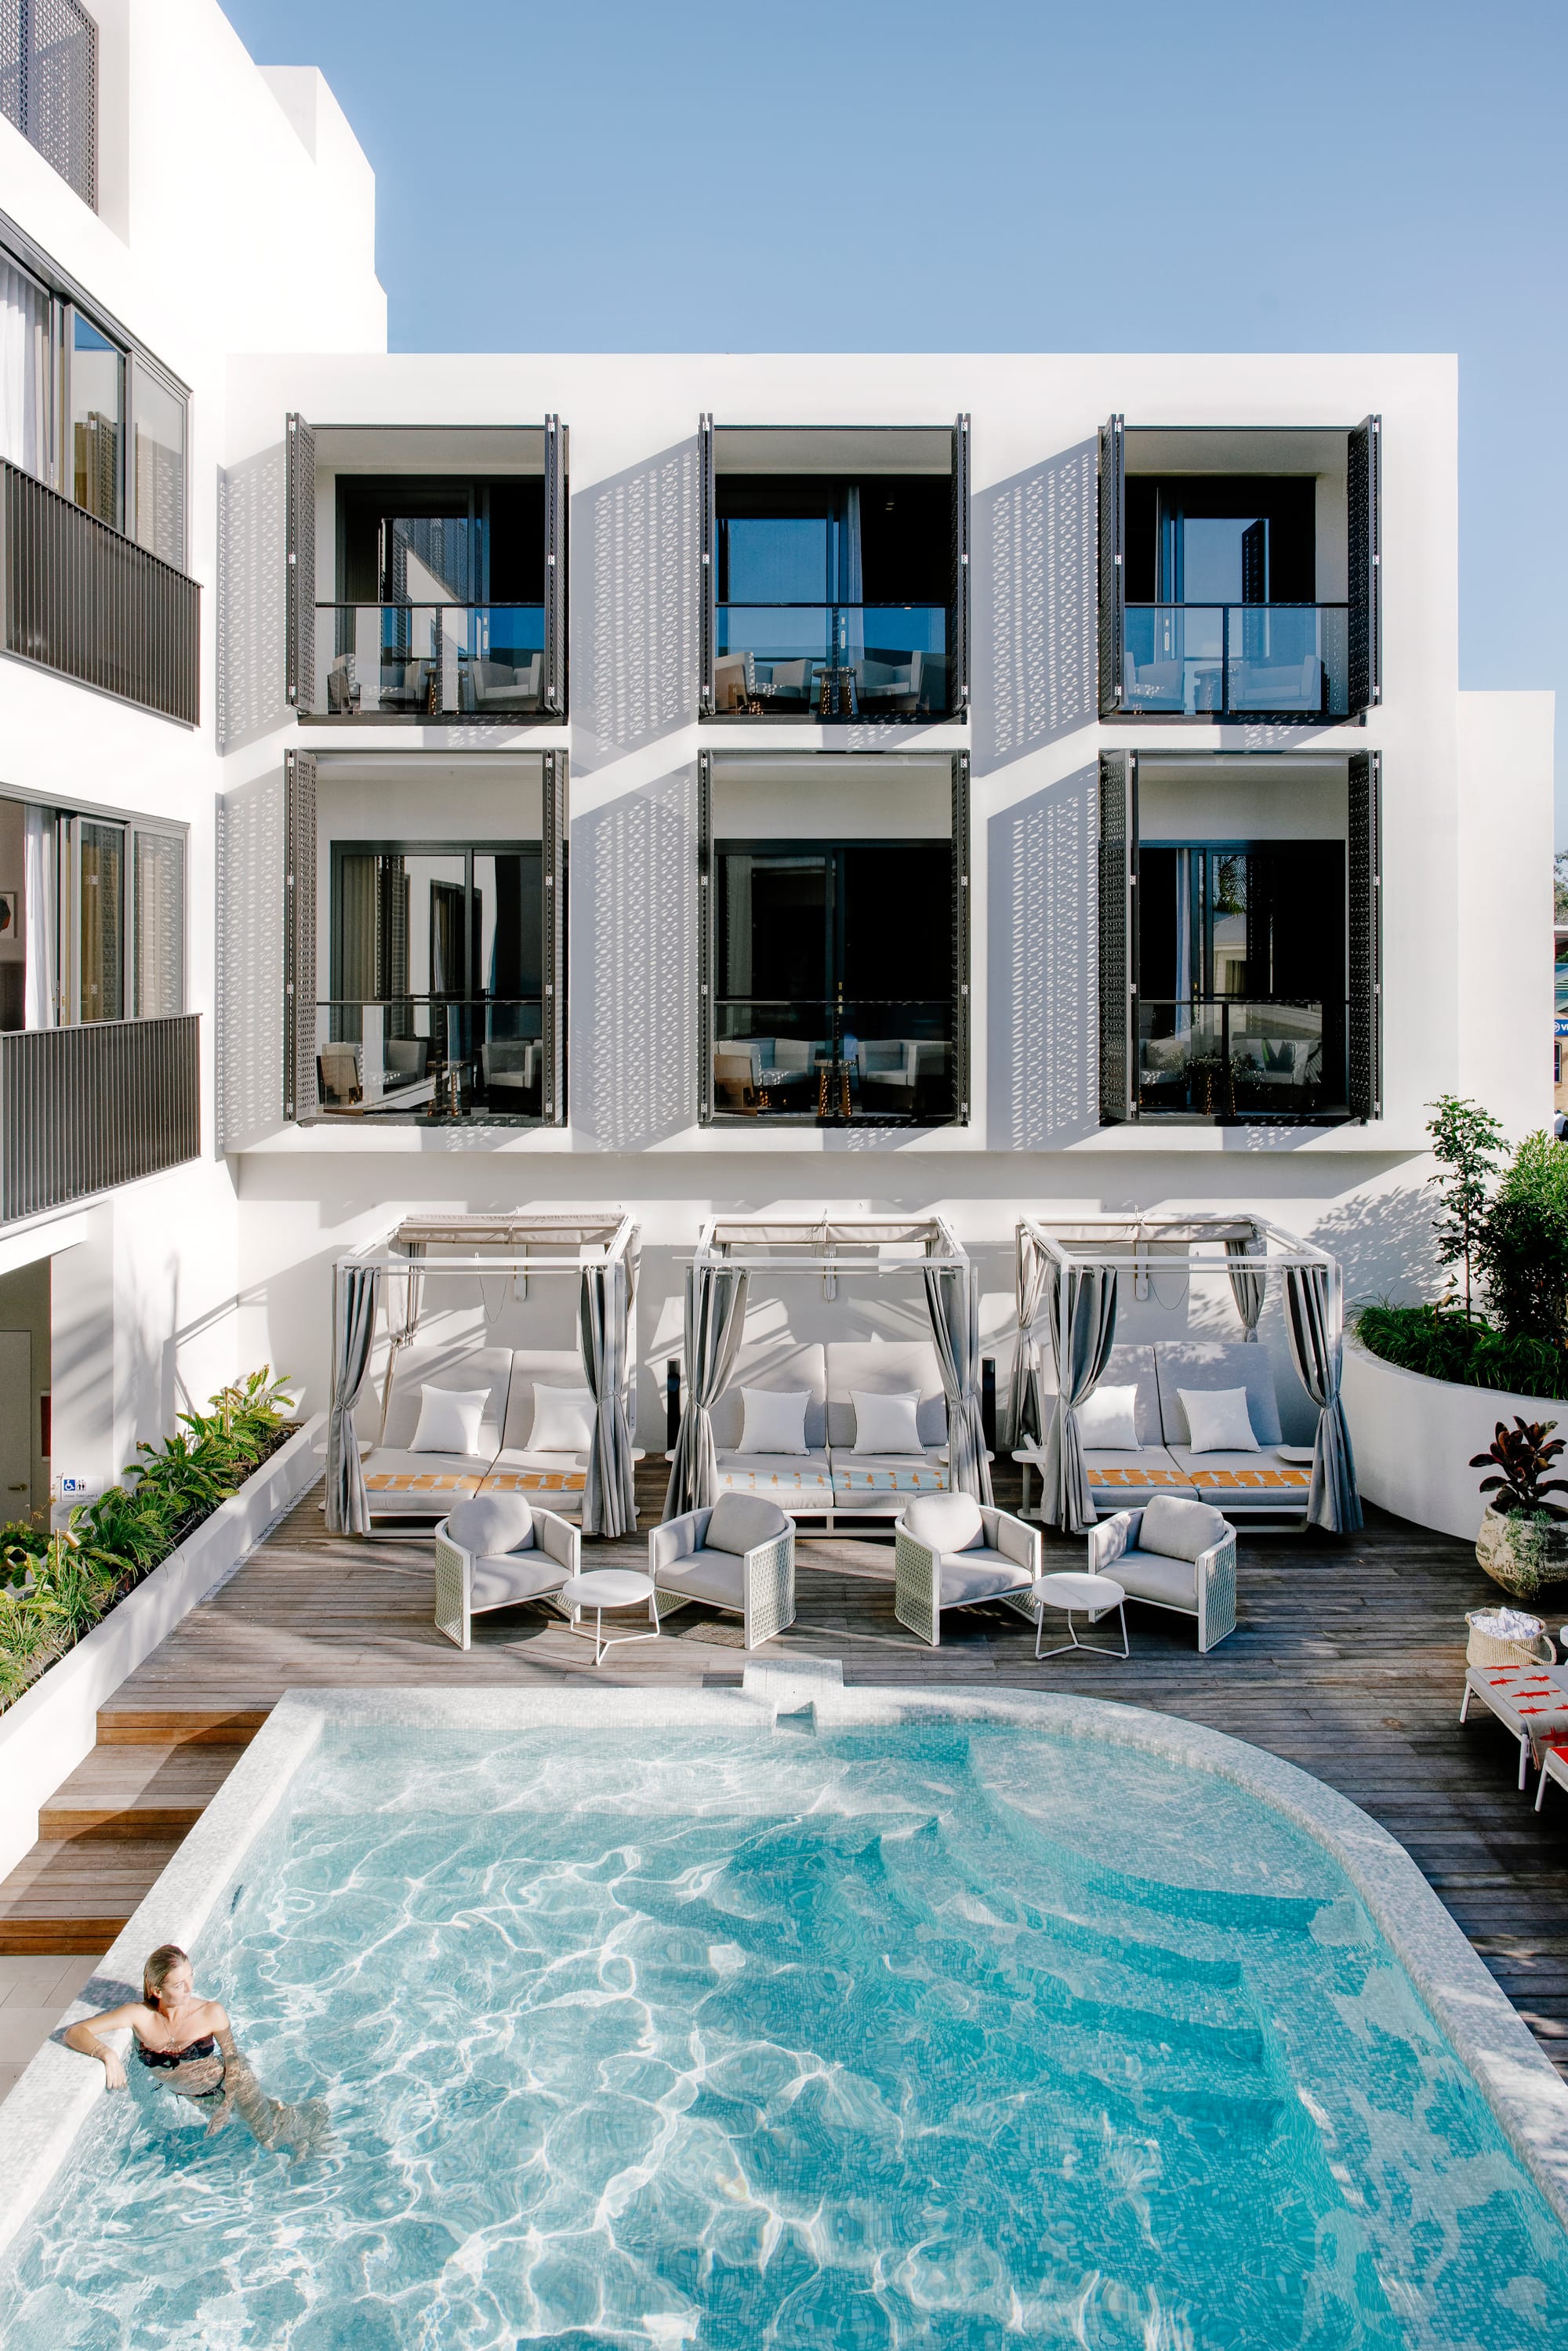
947	2024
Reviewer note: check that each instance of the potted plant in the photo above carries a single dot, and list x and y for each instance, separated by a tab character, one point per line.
1523	1540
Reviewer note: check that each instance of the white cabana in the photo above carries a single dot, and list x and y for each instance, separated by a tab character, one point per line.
835	1475
1072	1275
574	1449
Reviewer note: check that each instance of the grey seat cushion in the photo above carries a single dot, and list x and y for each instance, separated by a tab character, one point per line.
492	1522
1178	1530
741	1521
945	1522
717	1576
500	1583
1146	1575
978	1574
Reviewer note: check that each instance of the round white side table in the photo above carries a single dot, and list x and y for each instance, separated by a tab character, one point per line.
1091	1595
600	1588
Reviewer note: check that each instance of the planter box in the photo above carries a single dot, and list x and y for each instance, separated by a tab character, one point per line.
54	1725
1414	1438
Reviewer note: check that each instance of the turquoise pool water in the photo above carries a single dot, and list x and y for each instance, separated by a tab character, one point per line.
948	2035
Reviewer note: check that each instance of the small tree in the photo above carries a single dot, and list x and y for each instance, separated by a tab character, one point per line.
1466	1140
1522	1244
1560	884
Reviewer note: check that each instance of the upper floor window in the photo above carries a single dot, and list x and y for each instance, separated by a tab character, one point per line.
93	918
95	418
49	85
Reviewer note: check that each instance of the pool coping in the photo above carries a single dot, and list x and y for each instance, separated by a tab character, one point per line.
40	2119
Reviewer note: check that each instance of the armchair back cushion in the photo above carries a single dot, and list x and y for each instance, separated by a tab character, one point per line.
945	1522
1177	1530
781	1363
491	1524
741	1521
888	1367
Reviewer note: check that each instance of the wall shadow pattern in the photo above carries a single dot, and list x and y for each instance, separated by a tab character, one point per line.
1036	606
1042	1009
632	1055
635	611
252	626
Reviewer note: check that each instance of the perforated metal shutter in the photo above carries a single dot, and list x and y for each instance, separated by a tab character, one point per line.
707	699
961	567
555	917
961	981
252	833
1365	934
555	567
49	85
706	919
1118	933
1112	570
301	630
1363	496
299	935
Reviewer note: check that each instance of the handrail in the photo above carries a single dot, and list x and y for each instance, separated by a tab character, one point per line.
85	1108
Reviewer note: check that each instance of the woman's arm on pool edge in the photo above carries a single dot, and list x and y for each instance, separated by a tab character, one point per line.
83	2038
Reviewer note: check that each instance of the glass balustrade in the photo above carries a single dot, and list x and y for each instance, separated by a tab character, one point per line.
876	1058
431	1057
429	660
1241	1057
1237	659
831	660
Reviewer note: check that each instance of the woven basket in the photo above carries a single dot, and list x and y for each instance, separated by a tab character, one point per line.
1486	1649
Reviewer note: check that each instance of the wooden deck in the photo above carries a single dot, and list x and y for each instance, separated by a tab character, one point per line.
1348	1660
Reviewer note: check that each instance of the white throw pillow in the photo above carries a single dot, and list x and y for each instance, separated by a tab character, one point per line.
564	1420
449	1420
885	1424
1217	1420
1108	1420
775	1420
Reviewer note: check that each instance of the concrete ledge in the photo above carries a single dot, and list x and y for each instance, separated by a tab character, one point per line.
58	2090
54	1725
1415	1438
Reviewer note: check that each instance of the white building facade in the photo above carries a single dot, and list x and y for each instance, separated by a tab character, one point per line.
962	783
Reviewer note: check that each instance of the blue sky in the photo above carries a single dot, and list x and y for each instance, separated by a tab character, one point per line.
625	174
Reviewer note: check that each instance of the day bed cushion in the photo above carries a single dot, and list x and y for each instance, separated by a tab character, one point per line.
1144	1575
556	1477
1173	1529
888	1367
1216	1364
1127	1365
417	1368
1107	1420
402	1484
945	1522
1218	1420
716	1576
449	1420
886	1424
777	1361
741	1521
531	1367
1265	1477
868	1481
491	1524
774	1419
501	1583
563	1419
1153	1470
796	1481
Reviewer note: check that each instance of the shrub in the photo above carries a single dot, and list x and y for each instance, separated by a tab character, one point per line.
1521	1249
1446	1344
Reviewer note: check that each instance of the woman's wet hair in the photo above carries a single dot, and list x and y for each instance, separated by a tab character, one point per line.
158	1969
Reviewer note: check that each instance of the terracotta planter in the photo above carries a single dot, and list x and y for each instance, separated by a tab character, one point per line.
1524	1555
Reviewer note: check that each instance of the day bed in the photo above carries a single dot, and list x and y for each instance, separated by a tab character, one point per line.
951	1551
497	1551
1174	1555
738	1555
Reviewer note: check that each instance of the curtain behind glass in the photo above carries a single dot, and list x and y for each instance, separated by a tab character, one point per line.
158	470
39	917
100	921
23	371
159	938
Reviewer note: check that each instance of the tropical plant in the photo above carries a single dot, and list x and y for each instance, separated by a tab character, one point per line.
1522	1247
1466	1140
1443	1342
1519	1458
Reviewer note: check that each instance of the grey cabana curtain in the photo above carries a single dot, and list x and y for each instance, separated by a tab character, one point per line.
1316	1326
1088	1310
407	1330
608	1495
955	1315
1249	1286
715	1319
1025	1413
354	1322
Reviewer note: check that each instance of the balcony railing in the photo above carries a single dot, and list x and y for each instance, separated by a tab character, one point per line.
1236	661
429	660
876	1058
435	1056
831	660
1241	1057
84	1108
82	598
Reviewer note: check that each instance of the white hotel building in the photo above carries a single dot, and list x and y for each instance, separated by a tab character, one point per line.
964	782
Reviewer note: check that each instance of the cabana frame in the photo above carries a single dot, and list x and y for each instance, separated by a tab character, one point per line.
598	1248
1069	1269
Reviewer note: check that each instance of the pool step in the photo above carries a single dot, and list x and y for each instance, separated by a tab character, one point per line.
76	1896
138	1792
125	1723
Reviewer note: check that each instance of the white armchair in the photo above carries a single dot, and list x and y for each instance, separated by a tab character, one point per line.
951	1551
738	1555
1174	1554
495	1551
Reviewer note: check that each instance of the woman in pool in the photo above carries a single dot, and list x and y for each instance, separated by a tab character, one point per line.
189	2043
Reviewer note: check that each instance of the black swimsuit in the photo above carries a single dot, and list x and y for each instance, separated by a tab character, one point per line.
205	2047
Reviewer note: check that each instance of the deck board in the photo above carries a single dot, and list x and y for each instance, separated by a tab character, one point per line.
1348	1659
